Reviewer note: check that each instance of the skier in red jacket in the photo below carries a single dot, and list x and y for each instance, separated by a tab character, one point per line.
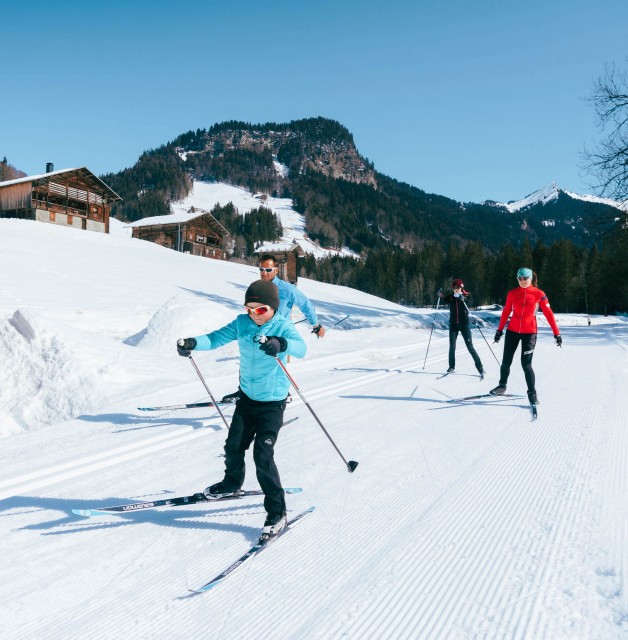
521	306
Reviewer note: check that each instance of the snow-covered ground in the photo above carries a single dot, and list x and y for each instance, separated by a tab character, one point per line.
461	520
206	195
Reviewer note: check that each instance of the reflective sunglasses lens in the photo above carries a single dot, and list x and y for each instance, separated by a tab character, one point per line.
258	311
267	269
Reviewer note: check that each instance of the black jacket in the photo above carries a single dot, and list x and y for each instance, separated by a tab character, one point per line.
458	313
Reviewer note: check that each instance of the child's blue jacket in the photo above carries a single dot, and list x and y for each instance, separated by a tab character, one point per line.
261	378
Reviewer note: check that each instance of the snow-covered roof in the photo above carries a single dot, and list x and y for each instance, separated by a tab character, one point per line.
172	218
84	171
179	218
280	247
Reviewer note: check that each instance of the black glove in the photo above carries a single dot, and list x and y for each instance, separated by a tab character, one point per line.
440	293
498	335
559	340
315	330
185	346
273	345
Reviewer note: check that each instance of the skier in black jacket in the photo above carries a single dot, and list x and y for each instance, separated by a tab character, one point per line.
458	300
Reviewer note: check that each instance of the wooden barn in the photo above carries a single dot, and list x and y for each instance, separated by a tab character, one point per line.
69	197
286	255
196	232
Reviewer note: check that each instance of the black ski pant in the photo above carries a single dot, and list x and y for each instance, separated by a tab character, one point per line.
260	422
511	342
465	331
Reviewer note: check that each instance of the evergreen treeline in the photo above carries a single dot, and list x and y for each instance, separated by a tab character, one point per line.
258	225
147	188
576	280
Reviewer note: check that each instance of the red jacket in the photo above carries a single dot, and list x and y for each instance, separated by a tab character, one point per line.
523	303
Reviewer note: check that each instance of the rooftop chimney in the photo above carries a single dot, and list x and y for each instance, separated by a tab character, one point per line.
49	167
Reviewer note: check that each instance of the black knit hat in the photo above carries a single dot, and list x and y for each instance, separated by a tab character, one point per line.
264	292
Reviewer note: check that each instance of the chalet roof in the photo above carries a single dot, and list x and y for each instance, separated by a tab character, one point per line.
180	218
83	172
281	247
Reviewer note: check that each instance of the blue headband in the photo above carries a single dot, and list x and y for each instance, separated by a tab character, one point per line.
524	273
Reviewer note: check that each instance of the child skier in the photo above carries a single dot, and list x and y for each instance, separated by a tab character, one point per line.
264	387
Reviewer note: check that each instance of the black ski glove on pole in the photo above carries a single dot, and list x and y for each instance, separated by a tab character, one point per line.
559	340
498	335
185	346
274	345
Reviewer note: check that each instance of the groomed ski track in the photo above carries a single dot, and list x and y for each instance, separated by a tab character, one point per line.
460	522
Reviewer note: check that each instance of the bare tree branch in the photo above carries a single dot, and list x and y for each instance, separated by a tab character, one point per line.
608	161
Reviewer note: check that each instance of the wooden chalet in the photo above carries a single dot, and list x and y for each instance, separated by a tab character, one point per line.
286	255
69	197
196	232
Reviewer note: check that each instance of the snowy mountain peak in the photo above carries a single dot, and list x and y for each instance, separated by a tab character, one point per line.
552	192
541	196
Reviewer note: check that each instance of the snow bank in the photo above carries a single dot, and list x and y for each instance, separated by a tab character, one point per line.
53	372
183	316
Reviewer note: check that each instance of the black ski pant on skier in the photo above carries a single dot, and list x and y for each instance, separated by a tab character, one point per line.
511	342
259	421
465	331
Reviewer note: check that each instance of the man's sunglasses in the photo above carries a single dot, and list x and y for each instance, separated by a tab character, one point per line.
258	311
267	269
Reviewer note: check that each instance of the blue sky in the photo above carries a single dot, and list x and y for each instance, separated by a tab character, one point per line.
472	100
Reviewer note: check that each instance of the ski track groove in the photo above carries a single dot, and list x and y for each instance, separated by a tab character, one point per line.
540	564
48	476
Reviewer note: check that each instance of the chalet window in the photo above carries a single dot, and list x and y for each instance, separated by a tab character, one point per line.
201	239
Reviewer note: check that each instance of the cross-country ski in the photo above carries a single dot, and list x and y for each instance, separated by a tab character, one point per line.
485	395
251	553
180	501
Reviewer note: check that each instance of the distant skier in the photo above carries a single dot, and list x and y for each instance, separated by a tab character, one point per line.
458	301
289	296
523	303
264	386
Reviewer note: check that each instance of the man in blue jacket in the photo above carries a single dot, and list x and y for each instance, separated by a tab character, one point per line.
264	387
289	295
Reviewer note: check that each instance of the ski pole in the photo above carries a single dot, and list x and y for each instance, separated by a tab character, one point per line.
339	321
222	415
352	464
480	330
332	326
433	323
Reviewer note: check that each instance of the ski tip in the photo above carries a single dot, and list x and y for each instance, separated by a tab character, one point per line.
87	513
205	588
293	490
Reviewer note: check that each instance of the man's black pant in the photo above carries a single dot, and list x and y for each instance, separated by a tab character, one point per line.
511	342
260	421
465	332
